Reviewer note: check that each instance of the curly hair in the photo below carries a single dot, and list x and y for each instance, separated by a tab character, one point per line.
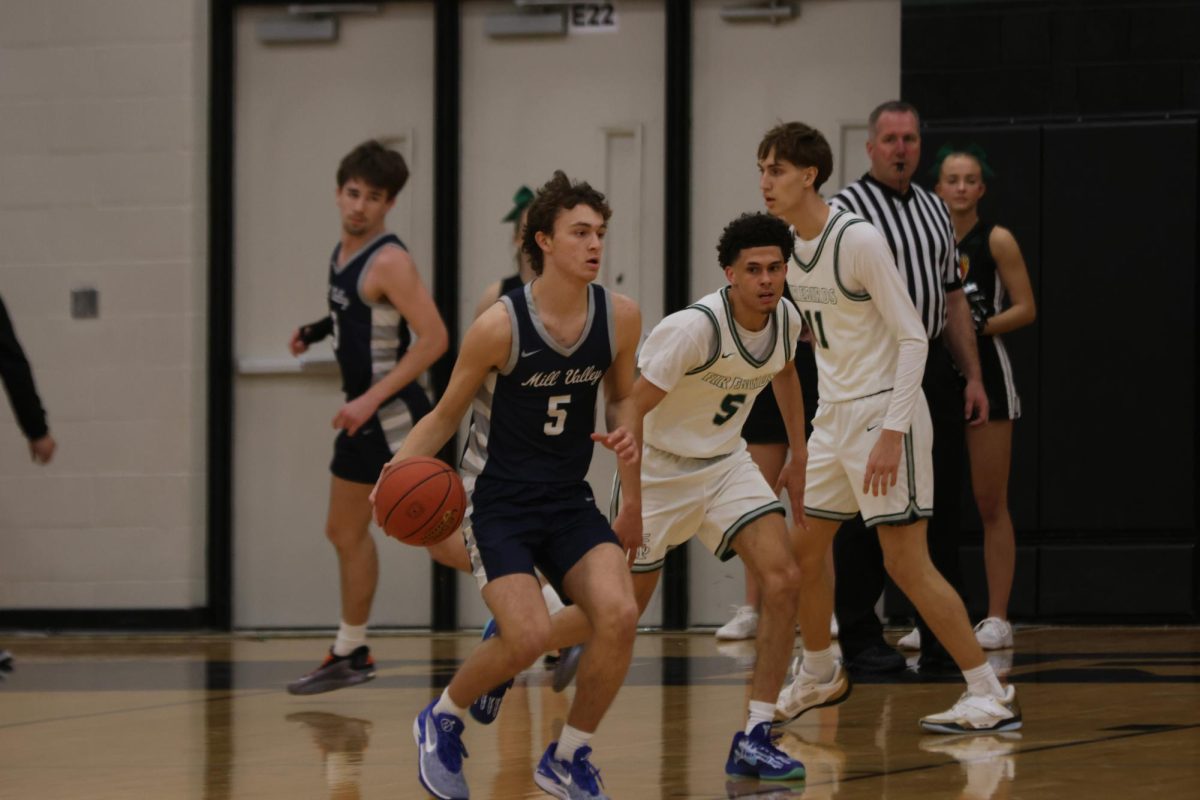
753	230
558	194
799	144
376	165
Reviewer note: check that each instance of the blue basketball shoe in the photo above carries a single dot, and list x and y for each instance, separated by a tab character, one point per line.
754	755
440	753
577	779
486	707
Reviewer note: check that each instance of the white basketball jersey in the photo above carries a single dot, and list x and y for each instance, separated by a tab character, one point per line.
855	348
702	415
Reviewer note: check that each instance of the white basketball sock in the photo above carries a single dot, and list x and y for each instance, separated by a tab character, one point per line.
569	741
348	638
760	712
445	705
820	664
983	681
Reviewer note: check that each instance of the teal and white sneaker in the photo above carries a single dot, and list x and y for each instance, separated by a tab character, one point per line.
486	707
577	779
440	753
754	755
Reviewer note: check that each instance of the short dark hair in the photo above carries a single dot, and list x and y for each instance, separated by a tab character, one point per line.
558	194
753	230
375	164
800	144
891	107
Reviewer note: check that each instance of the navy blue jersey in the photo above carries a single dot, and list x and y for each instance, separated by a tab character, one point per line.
532	420
368	338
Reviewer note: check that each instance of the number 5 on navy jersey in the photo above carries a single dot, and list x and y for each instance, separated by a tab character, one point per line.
558	415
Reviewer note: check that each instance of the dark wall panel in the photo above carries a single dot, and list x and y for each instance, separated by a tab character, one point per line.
1117	327
1107	581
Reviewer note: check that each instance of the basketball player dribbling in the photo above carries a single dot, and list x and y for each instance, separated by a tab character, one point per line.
533	363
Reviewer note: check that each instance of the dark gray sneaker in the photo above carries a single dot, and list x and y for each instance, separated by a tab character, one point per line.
568	664
336	672
6	661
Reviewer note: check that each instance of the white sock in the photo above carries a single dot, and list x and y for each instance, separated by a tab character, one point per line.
820	664
760	712
445	705
983	681
348	638
554	603
570	740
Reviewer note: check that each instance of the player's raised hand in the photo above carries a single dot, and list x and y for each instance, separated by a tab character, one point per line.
883	465
621	442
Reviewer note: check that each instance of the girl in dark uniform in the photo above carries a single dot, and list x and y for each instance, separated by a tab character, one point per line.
996	284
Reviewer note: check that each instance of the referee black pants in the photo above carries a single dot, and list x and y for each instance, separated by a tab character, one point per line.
858	559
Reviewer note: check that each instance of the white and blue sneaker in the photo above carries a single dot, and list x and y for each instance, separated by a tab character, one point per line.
440	753
577	779
486	707
754	755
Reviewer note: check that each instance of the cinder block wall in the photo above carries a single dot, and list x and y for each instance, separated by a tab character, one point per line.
103	108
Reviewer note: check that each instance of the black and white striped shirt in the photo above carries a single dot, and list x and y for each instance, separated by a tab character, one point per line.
918	230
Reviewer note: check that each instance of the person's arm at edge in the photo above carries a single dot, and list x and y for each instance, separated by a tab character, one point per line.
17	376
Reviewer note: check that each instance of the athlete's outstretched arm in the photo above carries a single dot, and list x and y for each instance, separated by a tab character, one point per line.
485	347
393	276
624	424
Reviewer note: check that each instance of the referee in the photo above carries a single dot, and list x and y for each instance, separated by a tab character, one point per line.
917	226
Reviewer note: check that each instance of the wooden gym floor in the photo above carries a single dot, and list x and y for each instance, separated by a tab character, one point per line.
1109	713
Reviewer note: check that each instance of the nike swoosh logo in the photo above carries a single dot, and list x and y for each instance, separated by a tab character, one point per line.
430	743
873	427
565	777
528	353
726	355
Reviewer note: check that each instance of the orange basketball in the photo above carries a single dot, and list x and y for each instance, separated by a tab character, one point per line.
420	501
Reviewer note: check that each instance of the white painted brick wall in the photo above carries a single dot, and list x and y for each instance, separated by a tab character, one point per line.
103	112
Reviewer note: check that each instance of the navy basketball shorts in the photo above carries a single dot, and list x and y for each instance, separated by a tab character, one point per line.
518	526
360	458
